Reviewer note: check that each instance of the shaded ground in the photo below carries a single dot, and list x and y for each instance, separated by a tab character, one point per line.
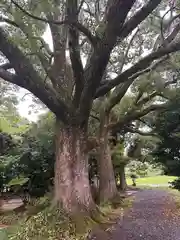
11	204
153	217
8	205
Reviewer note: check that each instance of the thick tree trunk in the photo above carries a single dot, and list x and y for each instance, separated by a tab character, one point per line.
107	183
72	188
123	183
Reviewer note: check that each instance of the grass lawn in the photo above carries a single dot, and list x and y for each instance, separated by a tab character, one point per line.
156	180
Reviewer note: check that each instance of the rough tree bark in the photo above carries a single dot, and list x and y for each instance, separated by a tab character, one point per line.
107	182
72	187
123	183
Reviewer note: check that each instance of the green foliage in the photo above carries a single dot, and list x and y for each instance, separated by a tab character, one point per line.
10	120
6	143
19	181
125	105
167	151
176	184
118	157
31	157
100	29
139	168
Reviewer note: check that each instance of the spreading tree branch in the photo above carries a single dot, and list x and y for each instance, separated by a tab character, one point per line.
59	37
80	6
45	63
76	62
162	20
140	16
27	77
137	114
6	66
8	76
127	51
115	16
161	41
8	21
172	35
78	25
120	91
137	69
146	99
139	102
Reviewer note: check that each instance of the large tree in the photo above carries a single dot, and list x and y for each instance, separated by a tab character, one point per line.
68	87
145	91
166	125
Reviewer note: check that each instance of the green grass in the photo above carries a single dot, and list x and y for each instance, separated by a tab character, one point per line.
156	180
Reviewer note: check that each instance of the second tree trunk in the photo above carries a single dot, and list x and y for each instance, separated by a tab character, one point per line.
123	184
107	183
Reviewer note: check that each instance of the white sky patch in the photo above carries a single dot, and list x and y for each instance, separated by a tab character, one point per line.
48	37
24	106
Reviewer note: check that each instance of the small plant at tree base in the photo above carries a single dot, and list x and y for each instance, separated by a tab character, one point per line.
133	177
176	184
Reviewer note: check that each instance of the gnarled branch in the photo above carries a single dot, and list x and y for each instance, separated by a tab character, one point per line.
78	25
141	15
76	62
136	114
115	16
27	77
137	69
7	76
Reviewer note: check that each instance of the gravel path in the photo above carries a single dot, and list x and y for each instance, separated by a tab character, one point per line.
153	217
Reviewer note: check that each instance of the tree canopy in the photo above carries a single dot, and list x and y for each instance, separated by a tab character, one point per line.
167	151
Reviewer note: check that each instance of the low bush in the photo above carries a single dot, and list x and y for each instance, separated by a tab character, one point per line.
176	184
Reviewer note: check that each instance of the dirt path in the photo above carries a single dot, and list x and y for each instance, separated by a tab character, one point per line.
153	217
11	204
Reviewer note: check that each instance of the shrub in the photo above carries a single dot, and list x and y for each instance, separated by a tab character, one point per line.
176	184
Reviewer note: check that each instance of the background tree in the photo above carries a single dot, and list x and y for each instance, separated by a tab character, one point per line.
167	151
144	90
119	162
31	157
